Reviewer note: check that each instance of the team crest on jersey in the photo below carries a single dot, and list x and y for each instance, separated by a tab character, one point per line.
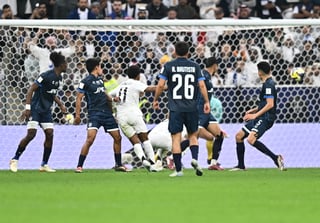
268	90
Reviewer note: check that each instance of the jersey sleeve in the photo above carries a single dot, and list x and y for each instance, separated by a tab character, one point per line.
200	75
40	80
81	87
163	72
269	91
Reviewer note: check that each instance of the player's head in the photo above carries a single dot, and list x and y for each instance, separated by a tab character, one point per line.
211	63
93	66
264	68
181	48
133	71
59	61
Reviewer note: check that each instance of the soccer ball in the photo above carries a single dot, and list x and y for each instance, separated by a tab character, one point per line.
69	118
297	74
126	158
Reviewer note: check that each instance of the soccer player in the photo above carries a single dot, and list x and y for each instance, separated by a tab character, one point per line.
40	98
259	120
209	128
99	113
130	117
184	80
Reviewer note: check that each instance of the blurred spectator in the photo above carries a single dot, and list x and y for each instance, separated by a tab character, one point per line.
156	9
82	11
106	7
117	11
288	48
62	8
307	57
170	3
7	12
200	55
268	9
207	8
235	5
303	10
241	52
237	77
171	14
250	67
131	9
316	11
95	9
243	12
226	60
150	65
162	46
186	11
313	75
40	11
25	8
43	53
142	13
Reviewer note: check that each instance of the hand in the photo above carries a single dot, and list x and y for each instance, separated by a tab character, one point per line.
249	117
155	105
25	115
206	108
116	99
77	120
63	109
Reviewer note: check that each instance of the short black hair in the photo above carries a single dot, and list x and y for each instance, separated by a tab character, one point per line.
210	61
264	66
133	71
57	59
182	48
91	63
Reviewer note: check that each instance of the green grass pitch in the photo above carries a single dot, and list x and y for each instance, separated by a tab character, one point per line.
253	196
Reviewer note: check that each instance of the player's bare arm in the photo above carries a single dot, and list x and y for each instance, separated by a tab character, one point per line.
60	104
26	114
78	108
204	93
267	107
159	89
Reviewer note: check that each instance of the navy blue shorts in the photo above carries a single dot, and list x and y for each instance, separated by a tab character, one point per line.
106	120
206	119
178	119
45	117
260	126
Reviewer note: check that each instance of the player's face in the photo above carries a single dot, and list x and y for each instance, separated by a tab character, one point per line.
99	70
63	67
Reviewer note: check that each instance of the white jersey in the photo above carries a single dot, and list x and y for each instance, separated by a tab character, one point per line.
129	115
160	137
129	93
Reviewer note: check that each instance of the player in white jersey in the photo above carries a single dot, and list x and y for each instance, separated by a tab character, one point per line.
130	117
161	141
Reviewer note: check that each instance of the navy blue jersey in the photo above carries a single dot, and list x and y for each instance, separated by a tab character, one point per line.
209	87
95	93
182	77
268	91
43	97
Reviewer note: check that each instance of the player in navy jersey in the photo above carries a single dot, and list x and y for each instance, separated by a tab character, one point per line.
99	113
40	98
184	80
260	119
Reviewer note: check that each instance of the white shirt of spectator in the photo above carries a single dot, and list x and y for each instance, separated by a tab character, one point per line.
83	15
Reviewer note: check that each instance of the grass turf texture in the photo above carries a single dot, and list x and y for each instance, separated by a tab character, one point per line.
256	195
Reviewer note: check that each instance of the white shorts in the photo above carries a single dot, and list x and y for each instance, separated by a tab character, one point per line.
35	124
131	124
